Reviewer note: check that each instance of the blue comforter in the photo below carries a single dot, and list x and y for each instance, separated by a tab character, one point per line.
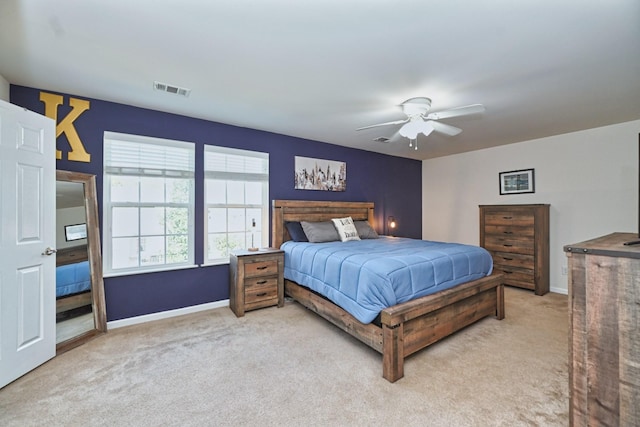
364	277
72	278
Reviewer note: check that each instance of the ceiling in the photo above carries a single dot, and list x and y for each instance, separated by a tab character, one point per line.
319	70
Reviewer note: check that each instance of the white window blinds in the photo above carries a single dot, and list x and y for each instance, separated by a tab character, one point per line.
136	155
231	163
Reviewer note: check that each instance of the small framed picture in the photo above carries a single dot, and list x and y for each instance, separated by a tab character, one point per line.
75	232
516	182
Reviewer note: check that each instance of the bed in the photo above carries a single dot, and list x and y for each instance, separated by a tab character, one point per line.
401	329
73	279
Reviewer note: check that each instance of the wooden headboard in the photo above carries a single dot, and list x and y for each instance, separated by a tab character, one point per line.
307	210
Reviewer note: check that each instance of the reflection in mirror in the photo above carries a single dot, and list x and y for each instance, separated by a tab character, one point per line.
80	307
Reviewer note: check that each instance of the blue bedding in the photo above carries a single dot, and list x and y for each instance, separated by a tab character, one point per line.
364	277
72	278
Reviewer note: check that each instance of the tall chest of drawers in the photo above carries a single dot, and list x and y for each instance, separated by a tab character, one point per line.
517	236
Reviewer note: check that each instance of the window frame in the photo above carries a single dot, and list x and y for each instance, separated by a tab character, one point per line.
244	177
140	173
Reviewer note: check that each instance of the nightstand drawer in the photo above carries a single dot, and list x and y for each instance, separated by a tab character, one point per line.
260	289
260	268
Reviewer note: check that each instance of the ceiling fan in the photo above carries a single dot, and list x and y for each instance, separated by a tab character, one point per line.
420	121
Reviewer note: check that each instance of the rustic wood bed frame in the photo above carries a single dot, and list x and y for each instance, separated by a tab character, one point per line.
407	327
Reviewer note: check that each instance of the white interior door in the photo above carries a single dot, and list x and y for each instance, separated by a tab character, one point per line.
27	209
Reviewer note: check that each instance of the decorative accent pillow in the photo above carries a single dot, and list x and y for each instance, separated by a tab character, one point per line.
365	231
346	229
318	232
295	231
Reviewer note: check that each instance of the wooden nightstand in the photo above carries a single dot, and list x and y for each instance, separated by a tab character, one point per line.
256	280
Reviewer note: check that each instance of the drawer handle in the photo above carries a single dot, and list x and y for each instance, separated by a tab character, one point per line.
507	259
508	245
261	268
261	294
507	217
508	232
507	272
261	282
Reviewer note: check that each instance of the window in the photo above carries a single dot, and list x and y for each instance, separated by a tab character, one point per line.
236	201
148	203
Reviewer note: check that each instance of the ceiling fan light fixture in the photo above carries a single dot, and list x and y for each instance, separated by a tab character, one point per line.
415	127
411	129
426	128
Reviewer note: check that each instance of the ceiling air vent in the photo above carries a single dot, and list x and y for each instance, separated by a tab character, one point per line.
164	87
381	139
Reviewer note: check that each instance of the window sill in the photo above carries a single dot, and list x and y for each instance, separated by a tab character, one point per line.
213	263
154	270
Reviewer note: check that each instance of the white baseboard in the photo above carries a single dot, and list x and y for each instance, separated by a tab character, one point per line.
562	291
165	314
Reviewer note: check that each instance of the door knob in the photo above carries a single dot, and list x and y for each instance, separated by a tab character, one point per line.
49	251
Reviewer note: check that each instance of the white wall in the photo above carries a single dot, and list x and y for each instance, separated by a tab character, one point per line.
4	89
590	179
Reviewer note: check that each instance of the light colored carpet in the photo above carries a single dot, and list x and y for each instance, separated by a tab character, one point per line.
287	366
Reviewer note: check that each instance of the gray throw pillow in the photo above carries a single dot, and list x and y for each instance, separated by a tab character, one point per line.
365	231
318	232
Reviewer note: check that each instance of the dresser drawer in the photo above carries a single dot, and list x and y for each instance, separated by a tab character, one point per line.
514	276
509	259
509	244
261	268
521	219
509	230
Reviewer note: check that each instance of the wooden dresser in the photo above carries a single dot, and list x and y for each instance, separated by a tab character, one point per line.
518	238
256	280
604	331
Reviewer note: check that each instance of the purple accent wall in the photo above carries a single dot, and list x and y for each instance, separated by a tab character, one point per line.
394	184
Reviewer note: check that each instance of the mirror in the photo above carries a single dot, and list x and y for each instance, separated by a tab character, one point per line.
80	305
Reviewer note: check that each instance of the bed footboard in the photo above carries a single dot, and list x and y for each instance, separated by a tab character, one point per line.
74	301
414	325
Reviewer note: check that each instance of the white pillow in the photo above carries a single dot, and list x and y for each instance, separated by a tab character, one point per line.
346	229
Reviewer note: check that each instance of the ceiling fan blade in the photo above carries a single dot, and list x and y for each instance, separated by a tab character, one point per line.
397	122
444	128
455	112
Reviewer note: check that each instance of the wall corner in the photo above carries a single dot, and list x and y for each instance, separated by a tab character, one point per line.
4	89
